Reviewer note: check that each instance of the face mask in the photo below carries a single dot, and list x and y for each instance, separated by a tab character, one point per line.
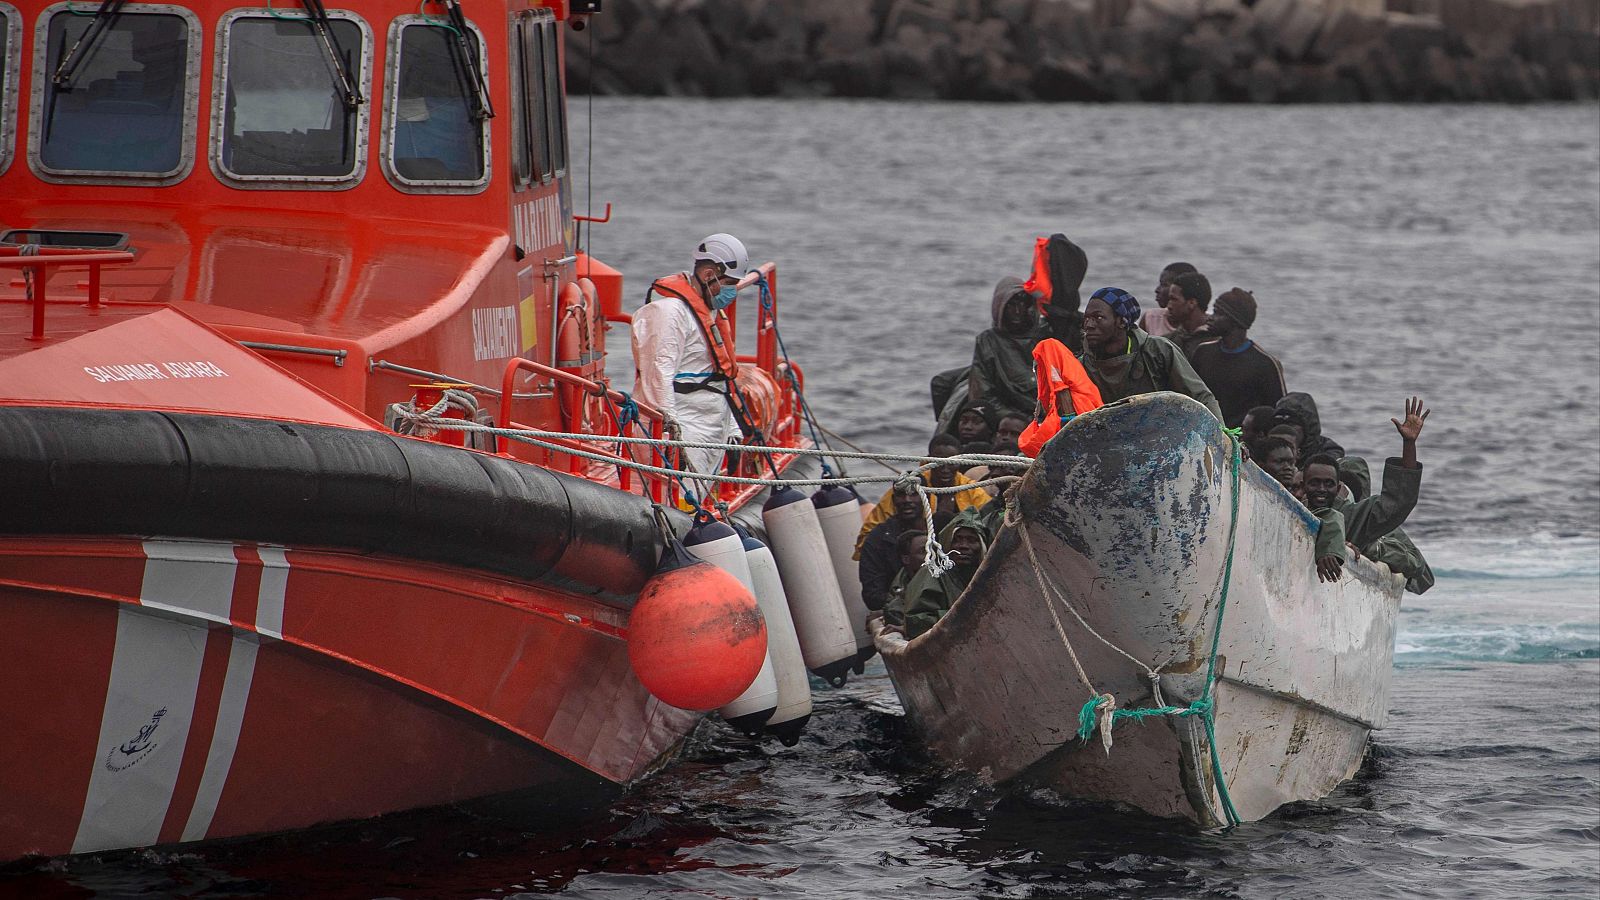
723	298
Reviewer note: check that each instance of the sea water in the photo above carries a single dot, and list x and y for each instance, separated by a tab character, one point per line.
1447	252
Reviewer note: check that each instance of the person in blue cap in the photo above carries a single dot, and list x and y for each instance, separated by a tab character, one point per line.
1122	360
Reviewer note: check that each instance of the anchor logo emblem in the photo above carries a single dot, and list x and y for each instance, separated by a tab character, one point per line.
128	754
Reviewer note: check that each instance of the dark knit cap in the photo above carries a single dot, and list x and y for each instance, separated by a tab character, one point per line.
1238	305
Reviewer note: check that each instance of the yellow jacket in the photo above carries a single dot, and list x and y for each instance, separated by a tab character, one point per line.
885	508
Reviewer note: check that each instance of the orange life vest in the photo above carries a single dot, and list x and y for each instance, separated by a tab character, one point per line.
715	327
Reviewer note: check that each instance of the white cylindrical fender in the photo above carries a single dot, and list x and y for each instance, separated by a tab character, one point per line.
783	645
721	546
839	513
827	640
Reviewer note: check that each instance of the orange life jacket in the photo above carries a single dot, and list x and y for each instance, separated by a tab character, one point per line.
715	327
1056	370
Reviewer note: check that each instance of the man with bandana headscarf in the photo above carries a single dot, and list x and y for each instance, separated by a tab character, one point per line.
1123	361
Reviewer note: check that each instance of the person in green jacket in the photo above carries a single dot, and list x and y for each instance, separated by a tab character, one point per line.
1371	522
912	546
1122	360
929	597
1394	549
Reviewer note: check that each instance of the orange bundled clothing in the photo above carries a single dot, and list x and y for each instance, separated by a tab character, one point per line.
1056	370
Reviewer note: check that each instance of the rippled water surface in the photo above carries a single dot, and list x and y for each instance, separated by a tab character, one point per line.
1447	252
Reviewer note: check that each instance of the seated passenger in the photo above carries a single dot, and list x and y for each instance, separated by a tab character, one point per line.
942	445
1187	299
976	426
1394	549
1007	431
1062	391
1157	321
1277	458
913	549
1290	433
1001	378
1257	422
1298	409
928	598
1123	361
1368	521
879	558
1239	372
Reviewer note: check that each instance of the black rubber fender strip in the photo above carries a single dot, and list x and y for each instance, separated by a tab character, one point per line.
77	471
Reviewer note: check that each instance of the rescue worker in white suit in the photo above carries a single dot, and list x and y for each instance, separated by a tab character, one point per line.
684	361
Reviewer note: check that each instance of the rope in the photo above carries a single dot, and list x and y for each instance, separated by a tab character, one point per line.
1100	711
846	441
788	369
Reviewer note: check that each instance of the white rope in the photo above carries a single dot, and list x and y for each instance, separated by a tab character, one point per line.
545	440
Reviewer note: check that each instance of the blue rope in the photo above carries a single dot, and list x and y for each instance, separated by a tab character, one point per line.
626	414
805	408
1204	707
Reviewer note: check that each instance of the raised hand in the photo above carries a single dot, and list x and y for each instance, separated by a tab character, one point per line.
1415	416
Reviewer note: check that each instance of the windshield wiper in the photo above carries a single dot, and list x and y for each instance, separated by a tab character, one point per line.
467	59
317	18
103	18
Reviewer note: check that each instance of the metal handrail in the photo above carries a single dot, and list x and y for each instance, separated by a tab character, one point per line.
659	486
47	257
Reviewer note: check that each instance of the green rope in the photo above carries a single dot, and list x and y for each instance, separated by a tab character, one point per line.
1203	707
435	21
287	18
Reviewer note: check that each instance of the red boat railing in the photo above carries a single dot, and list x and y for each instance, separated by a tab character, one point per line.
43	259
660	486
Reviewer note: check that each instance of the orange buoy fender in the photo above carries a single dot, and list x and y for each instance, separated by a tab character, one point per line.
696	639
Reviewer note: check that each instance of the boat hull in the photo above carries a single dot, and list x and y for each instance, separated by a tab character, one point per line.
177	690
1128	513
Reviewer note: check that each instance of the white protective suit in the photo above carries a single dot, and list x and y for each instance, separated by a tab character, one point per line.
667	342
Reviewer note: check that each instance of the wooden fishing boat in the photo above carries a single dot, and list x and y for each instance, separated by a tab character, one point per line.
241	589
1141	561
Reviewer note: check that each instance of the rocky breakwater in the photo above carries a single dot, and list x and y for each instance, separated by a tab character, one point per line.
1260	51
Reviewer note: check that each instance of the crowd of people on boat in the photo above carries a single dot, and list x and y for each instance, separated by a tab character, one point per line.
1047	358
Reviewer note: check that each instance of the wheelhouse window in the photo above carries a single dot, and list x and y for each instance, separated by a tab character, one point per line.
539	119
114	92
438	107
291	99
10	61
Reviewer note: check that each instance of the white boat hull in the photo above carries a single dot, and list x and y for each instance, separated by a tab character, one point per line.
1128	513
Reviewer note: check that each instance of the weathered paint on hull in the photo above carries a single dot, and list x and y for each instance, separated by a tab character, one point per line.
1128	513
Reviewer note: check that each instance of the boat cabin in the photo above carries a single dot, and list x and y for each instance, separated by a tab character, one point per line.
371	196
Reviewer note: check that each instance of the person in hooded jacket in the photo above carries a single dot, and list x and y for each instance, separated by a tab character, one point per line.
1123	361
928	597
1394	549
1058	269
1370	524
1002	357
1298	409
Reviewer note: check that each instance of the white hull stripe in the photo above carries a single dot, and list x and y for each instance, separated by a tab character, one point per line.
144	727
269	600
190	577
155	677
225	737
